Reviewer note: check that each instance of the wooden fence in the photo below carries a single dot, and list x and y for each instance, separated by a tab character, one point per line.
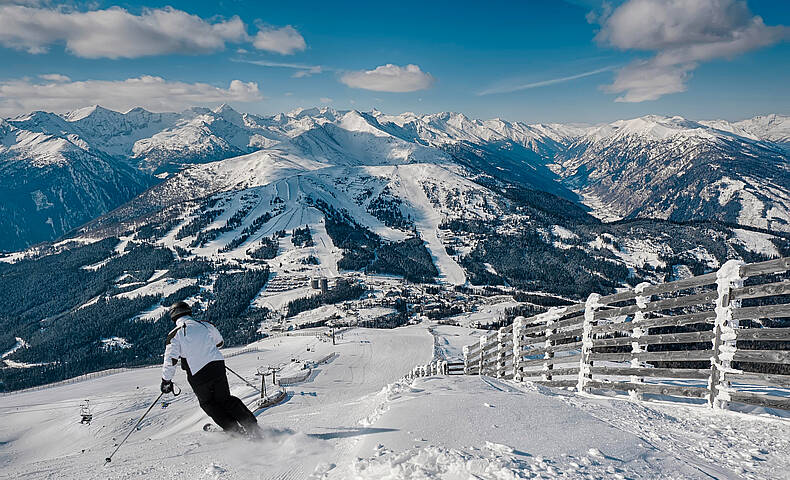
723	337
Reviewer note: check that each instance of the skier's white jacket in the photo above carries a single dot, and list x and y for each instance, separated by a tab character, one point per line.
198	342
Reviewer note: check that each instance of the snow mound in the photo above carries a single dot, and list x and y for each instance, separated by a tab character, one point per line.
493	462
438	462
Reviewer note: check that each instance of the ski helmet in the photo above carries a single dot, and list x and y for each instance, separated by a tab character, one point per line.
179	310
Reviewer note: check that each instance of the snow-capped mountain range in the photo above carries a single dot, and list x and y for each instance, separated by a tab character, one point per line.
245	211
60	171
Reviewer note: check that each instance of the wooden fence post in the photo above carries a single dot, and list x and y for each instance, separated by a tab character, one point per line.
501	353
483	341
548	366
467	367
585	374
518	325
550	318
727	278
636	332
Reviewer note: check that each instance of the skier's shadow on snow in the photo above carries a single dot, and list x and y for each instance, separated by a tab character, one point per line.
350	432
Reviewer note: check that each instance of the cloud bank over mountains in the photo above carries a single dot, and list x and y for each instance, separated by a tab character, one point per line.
58	93
682	34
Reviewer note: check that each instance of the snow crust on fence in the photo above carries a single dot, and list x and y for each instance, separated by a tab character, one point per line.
518	325
592	304
549	318
727	278
301	377
637	332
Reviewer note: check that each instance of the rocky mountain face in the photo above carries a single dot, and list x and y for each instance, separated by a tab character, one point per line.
675	169
51	184
63	170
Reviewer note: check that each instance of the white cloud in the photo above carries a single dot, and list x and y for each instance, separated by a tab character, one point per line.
117	33
58	94
55	77
389	78
682	33
285	40
326	100
542	83
304	70
114	32
641	81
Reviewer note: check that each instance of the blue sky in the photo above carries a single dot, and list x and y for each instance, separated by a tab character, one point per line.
537	61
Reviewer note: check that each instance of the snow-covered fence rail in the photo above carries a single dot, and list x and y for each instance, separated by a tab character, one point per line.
299	377
436	367
723	337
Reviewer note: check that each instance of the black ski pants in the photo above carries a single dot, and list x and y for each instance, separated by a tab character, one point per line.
210	385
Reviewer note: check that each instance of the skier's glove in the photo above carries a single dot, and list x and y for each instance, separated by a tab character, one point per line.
167	386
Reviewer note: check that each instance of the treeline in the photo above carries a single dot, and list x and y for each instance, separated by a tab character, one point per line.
364	250
409	258
358	243
231	311
387	208
342	292
267	250
301	237
73	342
156	229
197	224
526	261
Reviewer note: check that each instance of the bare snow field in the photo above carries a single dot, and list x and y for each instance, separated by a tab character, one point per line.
356	417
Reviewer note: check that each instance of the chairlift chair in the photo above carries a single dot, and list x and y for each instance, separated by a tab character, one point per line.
85	413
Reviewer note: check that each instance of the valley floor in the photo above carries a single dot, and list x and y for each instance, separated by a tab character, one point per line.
355	417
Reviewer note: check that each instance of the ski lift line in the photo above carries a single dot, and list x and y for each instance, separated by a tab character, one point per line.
279	365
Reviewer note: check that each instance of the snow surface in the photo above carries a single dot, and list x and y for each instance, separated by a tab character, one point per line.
115	343
757	242
163	287
20	343
356	417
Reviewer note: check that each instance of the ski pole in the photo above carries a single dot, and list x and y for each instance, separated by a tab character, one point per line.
243	380
109	459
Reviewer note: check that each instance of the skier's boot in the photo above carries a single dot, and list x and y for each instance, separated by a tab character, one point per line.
252	431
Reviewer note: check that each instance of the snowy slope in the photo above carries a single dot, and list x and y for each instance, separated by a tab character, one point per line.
772	128
354	418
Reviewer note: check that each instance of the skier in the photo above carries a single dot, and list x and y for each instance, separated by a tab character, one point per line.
196	344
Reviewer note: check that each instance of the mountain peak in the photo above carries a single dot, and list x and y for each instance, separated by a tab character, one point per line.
85	112
224	108
138	111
